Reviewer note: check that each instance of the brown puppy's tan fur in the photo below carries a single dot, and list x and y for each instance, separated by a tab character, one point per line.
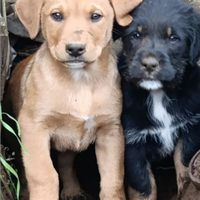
182	175
65	107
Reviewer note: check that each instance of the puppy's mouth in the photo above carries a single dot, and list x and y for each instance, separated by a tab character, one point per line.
150	84
75	64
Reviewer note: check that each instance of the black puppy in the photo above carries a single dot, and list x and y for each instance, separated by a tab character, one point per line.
161	88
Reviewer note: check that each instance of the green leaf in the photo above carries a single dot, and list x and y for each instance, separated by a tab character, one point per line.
18	128
9	128
9	168
3	161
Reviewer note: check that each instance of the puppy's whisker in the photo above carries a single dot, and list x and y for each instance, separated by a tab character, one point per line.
117	32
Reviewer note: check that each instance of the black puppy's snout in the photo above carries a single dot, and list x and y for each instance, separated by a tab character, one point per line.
150	63
75	50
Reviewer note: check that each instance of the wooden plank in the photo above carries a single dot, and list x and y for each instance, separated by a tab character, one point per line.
5	60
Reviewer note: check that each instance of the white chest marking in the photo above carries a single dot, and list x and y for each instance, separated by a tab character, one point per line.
165	131
160	113
89	124
89	135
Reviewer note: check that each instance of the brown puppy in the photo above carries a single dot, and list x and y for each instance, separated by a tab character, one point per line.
67	95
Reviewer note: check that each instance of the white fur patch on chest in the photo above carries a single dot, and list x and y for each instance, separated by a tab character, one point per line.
89	135
165	131
89	124
160	113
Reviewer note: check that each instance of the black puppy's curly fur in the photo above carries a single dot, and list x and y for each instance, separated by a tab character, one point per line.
161	87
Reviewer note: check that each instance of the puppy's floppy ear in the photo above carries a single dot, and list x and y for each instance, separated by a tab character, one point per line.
122	8
29	14
194	54
117	31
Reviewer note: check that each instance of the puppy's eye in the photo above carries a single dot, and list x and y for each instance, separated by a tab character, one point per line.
95	17
57	16
136	35
173	38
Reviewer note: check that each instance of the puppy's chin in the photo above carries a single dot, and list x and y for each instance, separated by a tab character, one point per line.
150	84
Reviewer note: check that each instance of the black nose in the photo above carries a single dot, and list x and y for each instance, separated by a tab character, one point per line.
150	63
75	50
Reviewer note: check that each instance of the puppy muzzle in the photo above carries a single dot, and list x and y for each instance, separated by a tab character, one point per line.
75	53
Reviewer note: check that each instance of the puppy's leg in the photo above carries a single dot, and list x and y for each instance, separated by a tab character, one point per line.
41	176
182	176
141	181
110	157
134	195
71	187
